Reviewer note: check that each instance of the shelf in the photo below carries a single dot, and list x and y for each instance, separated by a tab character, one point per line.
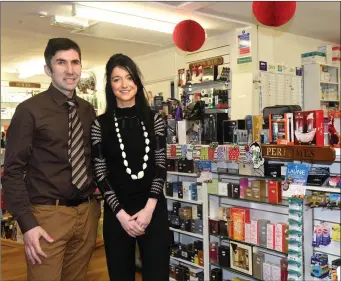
236	271
182	174
184	200
197	235
187	262
283	203
329	83
324	189
250	244
329	65
330	101
247	176
205	84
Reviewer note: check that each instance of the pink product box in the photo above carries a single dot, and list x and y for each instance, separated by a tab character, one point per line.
243	185
254	232
270	236
248	232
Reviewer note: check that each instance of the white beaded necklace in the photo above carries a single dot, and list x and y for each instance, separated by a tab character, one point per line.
140	174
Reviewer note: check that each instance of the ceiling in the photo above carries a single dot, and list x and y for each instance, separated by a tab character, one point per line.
24	34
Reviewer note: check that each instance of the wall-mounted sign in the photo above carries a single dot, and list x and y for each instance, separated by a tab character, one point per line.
299	152
24	84
207	62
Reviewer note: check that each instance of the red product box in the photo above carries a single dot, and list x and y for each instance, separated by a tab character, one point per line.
309	127
214	252
274	192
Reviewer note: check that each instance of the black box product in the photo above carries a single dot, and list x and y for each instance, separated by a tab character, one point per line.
214	227
172	271
186	166
187	274
175	221
184	253
272	170
169	189
230	190
193	226
229	129
213	126
317	176
176	208
191	255
223	228
235	190
200	211
216	274
258	260
180	191
262	232
170	165
185	225
170	216
224	256
198	245
179	272
196	274
199	226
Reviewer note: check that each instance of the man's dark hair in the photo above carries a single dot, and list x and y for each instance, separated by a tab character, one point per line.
59	44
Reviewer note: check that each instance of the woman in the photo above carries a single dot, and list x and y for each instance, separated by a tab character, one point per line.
129	152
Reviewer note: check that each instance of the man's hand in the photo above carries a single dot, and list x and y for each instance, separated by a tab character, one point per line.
32	245
129	224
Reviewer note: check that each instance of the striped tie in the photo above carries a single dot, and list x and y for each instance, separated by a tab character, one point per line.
76	147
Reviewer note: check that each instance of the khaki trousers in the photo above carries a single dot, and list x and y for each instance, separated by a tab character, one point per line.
74	230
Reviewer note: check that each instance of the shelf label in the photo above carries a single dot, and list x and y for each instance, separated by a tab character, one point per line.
23	84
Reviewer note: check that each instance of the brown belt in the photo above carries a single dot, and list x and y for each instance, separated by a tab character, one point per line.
69	202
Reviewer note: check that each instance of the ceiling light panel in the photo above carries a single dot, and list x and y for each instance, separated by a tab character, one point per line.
122	19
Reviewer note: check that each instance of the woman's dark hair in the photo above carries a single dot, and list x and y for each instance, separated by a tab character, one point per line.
143	109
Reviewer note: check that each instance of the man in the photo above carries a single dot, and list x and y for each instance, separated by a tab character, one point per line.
48	182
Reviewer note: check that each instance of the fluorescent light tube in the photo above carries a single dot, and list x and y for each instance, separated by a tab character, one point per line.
122	19
72	21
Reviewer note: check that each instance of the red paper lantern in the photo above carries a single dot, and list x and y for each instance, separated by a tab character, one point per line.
189	35
273	13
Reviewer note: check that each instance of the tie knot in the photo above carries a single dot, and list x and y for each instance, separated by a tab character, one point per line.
72	102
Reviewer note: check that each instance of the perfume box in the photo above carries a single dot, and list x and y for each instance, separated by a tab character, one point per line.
172	271
235	190
214	226
275	272
222	189
193	228
258	260
254	232
199	193
194	212
247	232
201	257
239	216
224	213
199	226
193	192
259	191
185	225
274	192
247	169
270	236
185	213
267	272
179	272
254	125
262	232
281	128
196	274
214	252
180	191
185	192
169	189
216	274
243	185
281	239
223	228
284	269
176	207
200	211
175	221
249	193
309	127
224	256
272	170
170	165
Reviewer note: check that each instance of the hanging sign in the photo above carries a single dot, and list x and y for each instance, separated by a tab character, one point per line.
24	84
207	62
299	152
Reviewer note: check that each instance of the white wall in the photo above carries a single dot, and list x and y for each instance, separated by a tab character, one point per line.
280	47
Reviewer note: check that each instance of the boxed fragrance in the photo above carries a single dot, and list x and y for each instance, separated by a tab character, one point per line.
281	237
259	190
258	260
281	128
270	236
274	192
239	217
309	127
